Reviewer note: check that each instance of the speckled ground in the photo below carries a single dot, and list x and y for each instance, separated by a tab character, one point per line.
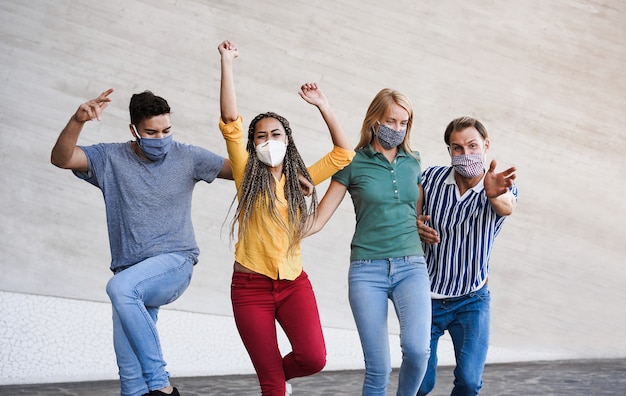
578	378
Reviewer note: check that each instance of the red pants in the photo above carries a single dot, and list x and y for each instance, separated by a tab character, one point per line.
258	302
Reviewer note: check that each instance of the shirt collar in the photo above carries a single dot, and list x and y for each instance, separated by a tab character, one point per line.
480	186
370	152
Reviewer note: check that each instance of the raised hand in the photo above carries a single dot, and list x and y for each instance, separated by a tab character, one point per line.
228	50
497	184
92	109
311	93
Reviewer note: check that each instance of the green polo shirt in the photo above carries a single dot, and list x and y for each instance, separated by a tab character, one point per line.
385	197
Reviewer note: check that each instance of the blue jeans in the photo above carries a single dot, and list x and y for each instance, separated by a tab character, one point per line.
467	320
136	294
404	281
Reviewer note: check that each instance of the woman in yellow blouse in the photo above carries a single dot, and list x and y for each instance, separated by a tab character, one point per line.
268	283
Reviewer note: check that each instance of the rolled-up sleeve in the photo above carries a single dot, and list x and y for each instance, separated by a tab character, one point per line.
329	164
236	147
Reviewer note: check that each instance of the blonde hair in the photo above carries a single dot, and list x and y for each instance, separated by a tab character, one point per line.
378	110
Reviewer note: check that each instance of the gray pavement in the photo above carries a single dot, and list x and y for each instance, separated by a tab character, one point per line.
565	377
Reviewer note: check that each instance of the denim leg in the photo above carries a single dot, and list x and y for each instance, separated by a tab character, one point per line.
136	294
368	292
470	336
440	320
410	293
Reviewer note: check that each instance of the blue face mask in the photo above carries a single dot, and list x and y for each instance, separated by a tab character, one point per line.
155	149
389	138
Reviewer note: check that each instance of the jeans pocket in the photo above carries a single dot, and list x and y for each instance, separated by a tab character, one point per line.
416	260
483	296
239	282
359	263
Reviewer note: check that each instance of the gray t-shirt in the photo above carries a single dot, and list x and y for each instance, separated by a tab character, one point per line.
148	204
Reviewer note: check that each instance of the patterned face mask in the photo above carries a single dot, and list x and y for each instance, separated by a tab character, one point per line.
469	165
389	138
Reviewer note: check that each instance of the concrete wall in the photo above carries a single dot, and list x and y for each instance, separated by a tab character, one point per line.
546	77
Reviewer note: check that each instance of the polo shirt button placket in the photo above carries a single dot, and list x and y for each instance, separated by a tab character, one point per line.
394	181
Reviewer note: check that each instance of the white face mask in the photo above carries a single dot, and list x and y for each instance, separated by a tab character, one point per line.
272	152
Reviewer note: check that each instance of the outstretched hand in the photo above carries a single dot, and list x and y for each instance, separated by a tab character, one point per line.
497	184
92	109
311	93
228	50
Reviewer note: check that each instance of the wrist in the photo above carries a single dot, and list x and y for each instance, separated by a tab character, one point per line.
323	107
76	120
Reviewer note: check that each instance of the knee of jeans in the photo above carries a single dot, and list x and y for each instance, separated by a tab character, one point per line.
116	288
418	356
313	363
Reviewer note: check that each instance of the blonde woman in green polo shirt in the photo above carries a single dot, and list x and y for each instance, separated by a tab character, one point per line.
387	261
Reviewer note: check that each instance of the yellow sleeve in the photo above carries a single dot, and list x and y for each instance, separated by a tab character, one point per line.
329	164
236	147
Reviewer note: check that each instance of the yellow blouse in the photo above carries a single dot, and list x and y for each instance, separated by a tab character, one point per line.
267	244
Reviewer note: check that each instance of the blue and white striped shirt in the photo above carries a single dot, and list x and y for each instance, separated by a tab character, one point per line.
467	227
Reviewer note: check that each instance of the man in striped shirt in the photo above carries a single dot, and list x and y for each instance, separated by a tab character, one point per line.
463	209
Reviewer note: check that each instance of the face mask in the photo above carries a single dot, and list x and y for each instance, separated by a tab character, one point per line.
469	165
389	138
272	152
155	149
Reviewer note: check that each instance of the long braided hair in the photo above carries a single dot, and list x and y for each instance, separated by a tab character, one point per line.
258	189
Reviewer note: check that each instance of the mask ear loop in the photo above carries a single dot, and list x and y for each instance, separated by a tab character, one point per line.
137	138
375	130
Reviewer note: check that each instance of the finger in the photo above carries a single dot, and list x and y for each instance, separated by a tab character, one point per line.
88	110
93	110
511	172
100	103
106	93
492	166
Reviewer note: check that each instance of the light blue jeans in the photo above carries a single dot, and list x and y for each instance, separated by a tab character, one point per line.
467	320
136	294
404	281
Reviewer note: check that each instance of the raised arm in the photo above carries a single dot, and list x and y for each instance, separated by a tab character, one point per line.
311	93
228	98
65	153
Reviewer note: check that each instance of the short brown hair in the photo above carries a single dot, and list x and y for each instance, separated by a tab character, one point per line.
459	124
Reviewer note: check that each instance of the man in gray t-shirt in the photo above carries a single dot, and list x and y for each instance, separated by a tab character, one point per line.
147	185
